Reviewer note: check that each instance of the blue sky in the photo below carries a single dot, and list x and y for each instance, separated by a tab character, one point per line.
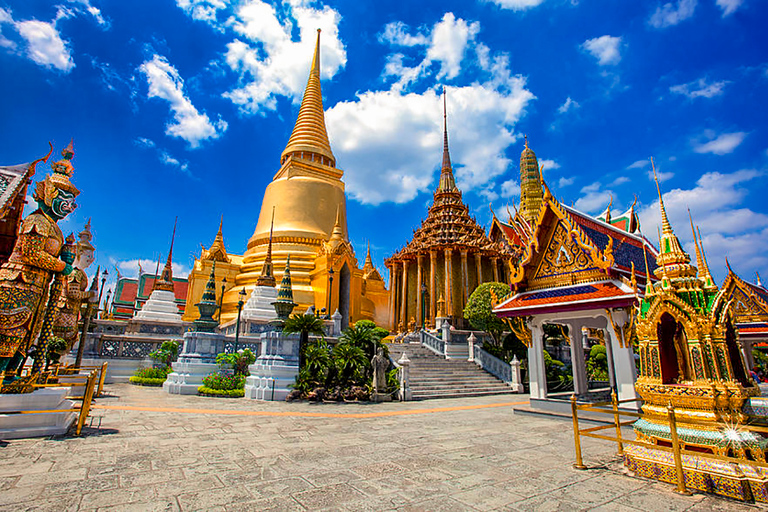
183	108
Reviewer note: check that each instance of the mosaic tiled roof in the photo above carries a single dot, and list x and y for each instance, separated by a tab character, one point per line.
597	295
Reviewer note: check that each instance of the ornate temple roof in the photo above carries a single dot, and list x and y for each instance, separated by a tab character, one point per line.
750	302
448	223
309	136
369	270
598	295
217	252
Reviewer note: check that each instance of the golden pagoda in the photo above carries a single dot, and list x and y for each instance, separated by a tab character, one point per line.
447	258
531	189
304	215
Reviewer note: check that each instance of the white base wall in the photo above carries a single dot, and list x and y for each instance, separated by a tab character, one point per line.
17	426
271	378
187	377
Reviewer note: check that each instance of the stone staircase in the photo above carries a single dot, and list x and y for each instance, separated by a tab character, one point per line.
433	376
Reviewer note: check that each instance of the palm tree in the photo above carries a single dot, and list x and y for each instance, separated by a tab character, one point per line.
304	325
365	337
350	363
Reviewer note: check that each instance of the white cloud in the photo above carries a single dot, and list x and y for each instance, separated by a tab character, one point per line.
510	188
269	62
727	228
568	105
729	6
170	161
619	181
396	33
564	182
130	268
671	14
605	49
45	45
721	145
93	11
144	142
165	83
700	88
389	142
594	199
639	164
661	176
517	5
202	10
450	38
548	165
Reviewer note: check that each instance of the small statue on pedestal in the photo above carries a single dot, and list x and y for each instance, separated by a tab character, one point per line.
37	258
380	366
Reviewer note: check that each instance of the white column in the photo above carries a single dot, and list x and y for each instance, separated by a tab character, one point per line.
746	350
578	364
537	374
623	359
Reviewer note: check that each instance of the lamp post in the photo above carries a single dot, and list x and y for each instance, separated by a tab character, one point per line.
330	289
221	298
106	304
423	308
101	290
237	327
87	319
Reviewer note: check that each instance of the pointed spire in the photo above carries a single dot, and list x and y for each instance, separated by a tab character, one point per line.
709	282
447	182
338	233
284	304
309	139
673	261
531	185
699	262
69	149
166	279
217	252
267	277
207	304
757	277
665	226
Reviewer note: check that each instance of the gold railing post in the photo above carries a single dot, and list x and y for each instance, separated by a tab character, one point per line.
102	376
87	397
576	436
620	445
676	450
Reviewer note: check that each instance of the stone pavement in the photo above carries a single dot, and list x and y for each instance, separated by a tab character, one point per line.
159	452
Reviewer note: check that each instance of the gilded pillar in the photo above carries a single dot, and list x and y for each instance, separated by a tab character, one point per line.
464	278
448	276
432	283
404	296
495	262
479	265
392	297
419	298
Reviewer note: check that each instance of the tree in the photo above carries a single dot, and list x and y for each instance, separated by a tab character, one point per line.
479	310
304	325
350	362
365	337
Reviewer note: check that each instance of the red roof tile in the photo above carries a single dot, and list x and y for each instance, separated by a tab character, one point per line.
567	298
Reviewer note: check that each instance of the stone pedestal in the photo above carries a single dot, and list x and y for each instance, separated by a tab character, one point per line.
16	426
161	305
275	369
259	305
196	361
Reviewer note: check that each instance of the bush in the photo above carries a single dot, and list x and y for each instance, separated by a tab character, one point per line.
141	381
239	361
597	364
56	348
150	376
167	352
226	393
224	382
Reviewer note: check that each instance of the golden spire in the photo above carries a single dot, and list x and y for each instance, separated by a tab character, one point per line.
699	263
337	236
267	277
309	139
531	188
166	278
757	276
709	282
672	260
217	252
447	182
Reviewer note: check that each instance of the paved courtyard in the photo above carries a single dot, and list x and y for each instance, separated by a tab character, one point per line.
157	452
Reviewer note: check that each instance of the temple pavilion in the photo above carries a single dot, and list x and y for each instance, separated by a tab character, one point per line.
307	199
750	311
574	270
447	258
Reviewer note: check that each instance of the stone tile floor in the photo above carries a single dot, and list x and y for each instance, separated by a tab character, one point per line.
196	453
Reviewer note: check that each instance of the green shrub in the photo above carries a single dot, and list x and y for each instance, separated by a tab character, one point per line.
224	382
146	381
597	364
239	361
167	352
227	393
152	373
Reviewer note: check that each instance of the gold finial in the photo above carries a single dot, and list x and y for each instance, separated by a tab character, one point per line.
309	137
166	279
709	281
526	141
267	277
447	182
699	262
666	227
757	276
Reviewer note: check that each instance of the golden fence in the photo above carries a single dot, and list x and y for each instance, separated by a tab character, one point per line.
678	449
92	382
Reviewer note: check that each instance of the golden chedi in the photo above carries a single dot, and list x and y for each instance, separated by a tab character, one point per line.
308	201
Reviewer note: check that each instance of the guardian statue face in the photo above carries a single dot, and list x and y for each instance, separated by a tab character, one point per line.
63	204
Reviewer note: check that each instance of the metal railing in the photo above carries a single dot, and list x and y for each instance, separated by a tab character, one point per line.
677	448
83	410
492	364
432	342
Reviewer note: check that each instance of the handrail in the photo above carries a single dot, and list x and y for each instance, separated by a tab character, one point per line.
677	449
492	364
432	342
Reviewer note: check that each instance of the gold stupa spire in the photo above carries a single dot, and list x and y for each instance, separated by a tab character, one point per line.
531	187
309	139
447	182
672	260
217	252
166	278
709	282
267	277
338	234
